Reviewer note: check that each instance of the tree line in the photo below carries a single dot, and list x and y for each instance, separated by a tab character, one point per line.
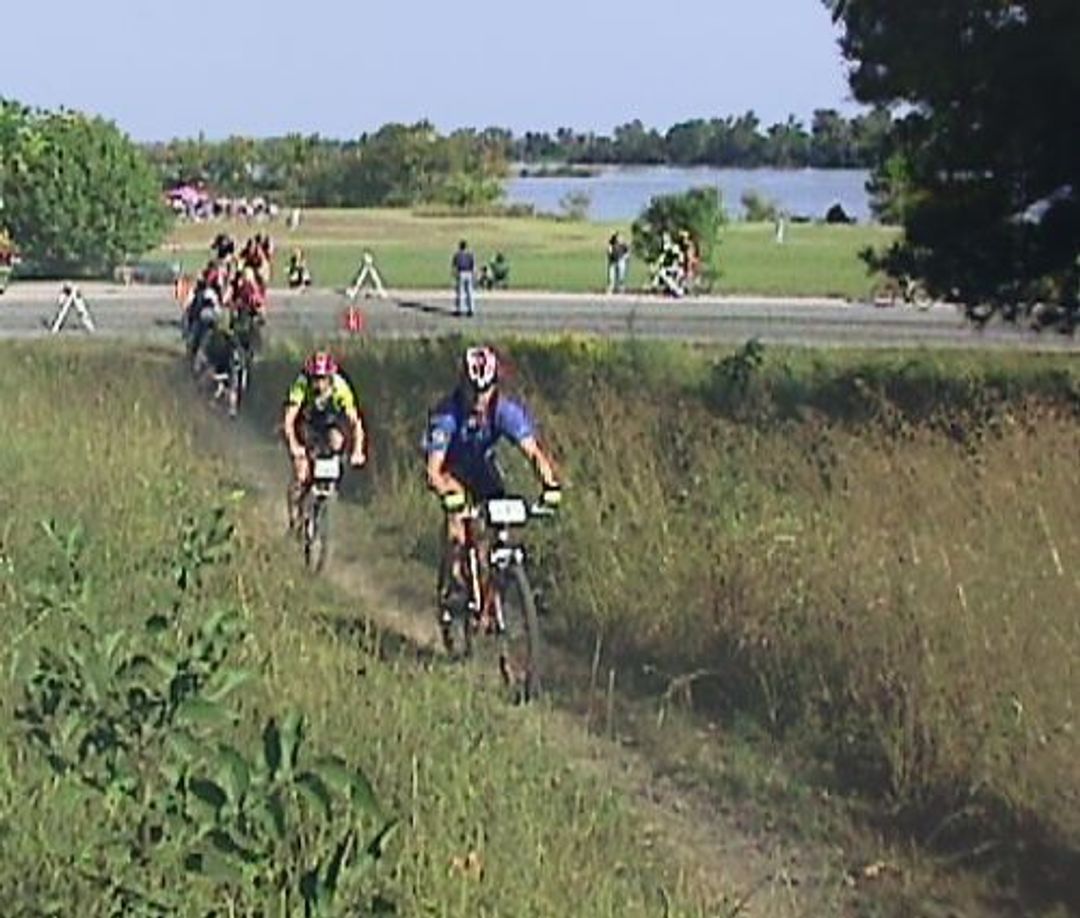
399	165
831	141
408	164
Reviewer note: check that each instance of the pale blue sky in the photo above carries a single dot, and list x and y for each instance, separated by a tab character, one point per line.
164	69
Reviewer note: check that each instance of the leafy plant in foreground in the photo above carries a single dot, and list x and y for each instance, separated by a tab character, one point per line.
140	720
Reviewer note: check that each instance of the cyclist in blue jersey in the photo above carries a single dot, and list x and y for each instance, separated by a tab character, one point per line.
462	433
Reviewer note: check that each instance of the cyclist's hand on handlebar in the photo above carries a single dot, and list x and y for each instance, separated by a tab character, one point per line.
453	501
551	498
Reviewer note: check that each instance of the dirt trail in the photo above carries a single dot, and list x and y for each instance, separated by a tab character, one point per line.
733	847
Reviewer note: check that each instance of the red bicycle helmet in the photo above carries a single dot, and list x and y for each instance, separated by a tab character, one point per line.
321	363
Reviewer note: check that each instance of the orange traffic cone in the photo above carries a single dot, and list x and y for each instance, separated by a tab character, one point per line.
352	320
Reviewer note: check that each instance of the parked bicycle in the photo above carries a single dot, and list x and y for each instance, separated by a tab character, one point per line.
498	599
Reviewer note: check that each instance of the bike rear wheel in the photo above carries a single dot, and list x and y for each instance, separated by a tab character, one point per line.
238	379
520	648
316	532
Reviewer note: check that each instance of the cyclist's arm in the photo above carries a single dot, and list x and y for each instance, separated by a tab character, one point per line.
345	398
541	462
292	413
359	450
441	481
514	423
294	403
436	446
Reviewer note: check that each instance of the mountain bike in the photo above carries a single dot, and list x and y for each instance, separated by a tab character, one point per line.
241	357
239	375
221	350
326	474
495	598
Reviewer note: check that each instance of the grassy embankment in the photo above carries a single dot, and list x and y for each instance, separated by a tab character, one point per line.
129	617
414	251
864	558
869	557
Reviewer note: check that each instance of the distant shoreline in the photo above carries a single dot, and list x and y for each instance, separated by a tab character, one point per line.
592	170
556	170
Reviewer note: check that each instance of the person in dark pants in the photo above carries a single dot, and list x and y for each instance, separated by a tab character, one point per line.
463	267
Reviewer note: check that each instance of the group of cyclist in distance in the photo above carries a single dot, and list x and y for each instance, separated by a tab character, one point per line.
463	429
229	294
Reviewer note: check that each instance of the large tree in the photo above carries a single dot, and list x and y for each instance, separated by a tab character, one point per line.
78	194
985	167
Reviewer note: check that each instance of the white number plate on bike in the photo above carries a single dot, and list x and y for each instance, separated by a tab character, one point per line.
327	468
507	511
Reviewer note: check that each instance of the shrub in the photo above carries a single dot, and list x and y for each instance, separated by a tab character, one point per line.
757	208
575	205
699	211
78	194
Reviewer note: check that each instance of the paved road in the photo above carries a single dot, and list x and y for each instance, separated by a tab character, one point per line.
150	313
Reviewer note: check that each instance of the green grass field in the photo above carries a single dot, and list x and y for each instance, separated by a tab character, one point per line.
414	251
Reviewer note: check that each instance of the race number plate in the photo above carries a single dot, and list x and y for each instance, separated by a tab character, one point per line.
327	468
507	511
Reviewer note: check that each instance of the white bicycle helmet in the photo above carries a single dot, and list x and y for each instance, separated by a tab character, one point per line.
480	366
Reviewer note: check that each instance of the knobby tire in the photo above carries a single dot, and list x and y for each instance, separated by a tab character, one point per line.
316	532
520	652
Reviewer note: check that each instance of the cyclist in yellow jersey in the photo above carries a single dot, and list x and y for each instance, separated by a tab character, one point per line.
320	407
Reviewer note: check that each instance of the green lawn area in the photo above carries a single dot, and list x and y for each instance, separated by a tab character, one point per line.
414	251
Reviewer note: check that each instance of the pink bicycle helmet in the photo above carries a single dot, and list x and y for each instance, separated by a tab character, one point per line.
481	367
321	363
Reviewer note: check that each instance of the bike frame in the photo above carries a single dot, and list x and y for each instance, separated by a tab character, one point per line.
482	595
488	550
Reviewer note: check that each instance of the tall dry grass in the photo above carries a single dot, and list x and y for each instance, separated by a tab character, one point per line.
874	556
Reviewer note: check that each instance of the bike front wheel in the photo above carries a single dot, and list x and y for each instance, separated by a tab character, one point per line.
519	639
316	533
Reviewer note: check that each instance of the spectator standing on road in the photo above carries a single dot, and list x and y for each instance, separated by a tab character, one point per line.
618	259
463	267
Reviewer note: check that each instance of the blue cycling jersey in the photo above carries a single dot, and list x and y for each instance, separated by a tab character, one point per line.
468	440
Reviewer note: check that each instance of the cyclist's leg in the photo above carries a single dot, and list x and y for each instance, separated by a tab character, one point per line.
300	477
455	588
454	583
337	433
485	483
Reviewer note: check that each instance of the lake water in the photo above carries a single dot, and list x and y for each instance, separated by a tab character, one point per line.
621	192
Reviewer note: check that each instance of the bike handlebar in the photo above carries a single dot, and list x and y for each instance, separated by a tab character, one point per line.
533	510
